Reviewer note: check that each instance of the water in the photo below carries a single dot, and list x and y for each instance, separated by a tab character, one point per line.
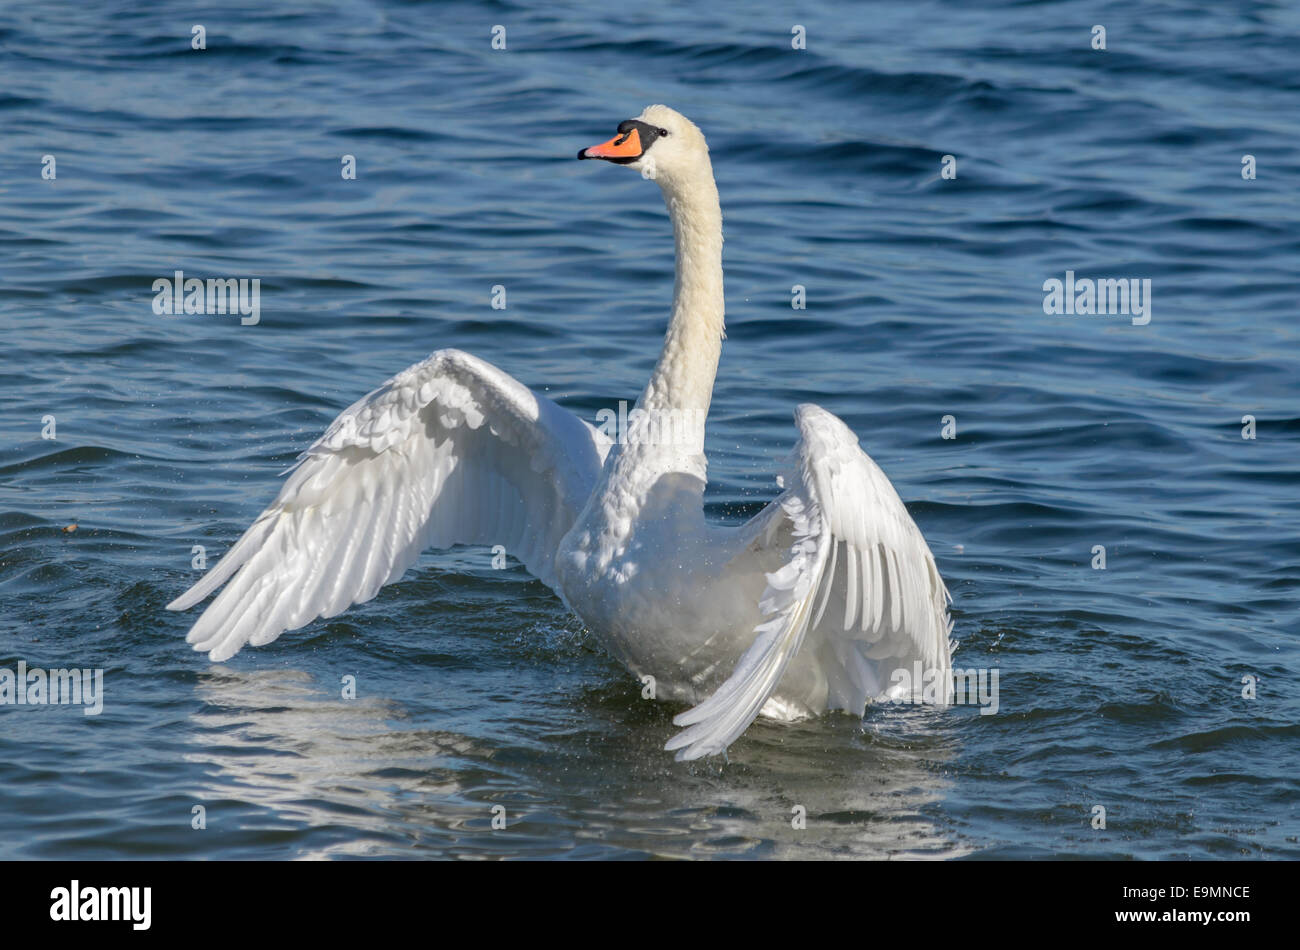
1120	688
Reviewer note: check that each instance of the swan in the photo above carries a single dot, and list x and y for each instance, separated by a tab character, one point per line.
827	599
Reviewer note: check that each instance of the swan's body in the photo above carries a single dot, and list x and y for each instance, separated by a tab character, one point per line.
812	605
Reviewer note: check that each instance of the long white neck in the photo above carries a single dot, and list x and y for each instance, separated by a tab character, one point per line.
656	472
682	382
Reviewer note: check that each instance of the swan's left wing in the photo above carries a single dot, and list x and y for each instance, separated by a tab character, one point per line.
450	451
859	586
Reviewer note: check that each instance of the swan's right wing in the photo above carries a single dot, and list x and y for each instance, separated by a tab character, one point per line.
449	451
858	585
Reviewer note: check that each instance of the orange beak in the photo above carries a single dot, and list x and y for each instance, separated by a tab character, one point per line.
625	147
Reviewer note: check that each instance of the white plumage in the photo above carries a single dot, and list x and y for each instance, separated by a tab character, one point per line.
816	604
451	451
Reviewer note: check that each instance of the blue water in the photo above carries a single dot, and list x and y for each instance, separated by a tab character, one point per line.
1120	687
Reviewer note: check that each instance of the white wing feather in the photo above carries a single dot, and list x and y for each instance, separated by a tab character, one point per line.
449	451
884	610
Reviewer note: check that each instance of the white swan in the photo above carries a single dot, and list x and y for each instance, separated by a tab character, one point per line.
825	600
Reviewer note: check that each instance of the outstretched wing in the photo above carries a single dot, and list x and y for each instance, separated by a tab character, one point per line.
859	587
450	451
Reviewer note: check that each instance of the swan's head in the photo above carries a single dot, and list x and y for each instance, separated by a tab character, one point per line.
661	143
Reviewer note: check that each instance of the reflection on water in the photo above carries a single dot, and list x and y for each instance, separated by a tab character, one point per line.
287	760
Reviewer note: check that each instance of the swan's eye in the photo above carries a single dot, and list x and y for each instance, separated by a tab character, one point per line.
662	131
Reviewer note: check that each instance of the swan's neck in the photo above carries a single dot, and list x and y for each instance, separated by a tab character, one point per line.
681	385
